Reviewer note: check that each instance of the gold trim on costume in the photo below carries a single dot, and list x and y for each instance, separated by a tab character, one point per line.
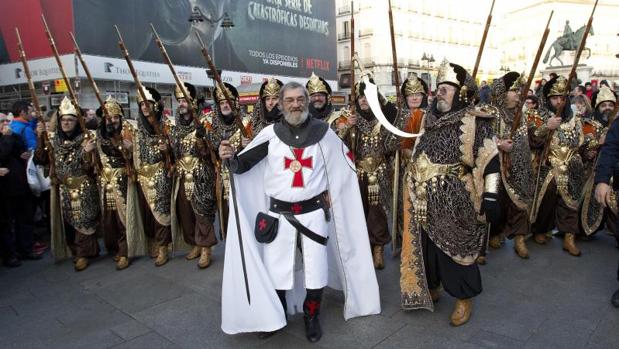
67	107
559	88
271	89
412	86
315	85
113	107
446	74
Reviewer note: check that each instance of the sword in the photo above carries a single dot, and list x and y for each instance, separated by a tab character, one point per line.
238	227
371	93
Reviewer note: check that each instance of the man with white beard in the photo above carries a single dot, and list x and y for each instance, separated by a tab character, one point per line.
291	181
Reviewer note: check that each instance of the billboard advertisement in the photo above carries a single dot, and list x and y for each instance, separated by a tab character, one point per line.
270	37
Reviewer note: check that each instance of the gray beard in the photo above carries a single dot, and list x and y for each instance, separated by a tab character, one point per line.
443	106
294	121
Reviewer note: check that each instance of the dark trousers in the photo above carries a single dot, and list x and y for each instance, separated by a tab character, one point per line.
7	242
458	280
21	213
81	245
114	233
311	295
161	234
197	230
375	217
554	212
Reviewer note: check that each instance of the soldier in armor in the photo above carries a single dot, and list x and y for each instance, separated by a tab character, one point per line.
75	200
517	184
593	214
118	191
371	150
561	176
452	186
415	92
152	161
224	127
267	111
320	106
194	184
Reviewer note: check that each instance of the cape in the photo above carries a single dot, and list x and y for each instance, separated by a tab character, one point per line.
350	261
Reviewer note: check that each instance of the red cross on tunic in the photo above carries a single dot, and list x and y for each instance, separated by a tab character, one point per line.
296	208
296	166
262	224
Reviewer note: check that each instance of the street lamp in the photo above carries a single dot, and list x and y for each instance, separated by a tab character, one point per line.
198	16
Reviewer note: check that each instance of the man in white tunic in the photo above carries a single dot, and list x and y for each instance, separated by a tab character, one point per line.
294	176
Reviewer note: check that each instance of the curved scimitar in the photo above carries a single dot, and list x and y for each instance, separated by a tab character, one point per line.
371	93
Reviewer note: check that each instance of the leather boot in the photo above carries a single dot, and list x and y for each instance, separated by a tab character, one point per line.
378	256
569	245
162	256
205	258
193	254
495	242
154	252
462	312
541	239
311	310
122	263
520	247
481	260
435	294
116	258
81	263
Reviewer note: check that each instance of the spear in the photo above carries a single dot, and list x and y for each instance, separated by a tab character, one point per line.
222	87
483	41
396	161
560	109
72	94
353	92
36	104
115	140
141	90
179	83
245	134
524	92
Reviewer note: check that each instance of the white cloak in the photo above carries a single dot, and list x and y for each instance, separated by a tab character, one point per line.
350	262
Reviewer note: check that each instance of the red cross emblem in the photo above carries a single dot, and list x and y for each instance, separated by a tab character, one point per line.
296	165
262	224
296	208
351	155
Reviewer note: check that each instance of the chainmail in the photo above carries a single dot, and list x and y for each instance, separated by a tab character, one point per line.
113	158
379	146
451	217
259	120
221	130
571	138
184	142
519	180
70	162
148	153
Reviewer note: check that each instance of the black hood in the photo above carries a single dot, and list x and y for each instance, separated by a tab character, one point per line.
308	133
322	113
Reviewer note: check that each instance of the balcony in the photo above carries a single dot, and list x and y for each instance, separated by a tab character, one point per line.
366	32
343	65
344	10
343	36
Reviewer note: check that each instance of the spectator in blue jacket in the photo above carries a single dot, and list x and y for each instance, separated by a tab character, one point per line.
23	125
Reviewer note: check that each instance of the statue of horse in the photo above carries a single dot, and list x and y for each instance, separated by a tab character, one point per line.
567	42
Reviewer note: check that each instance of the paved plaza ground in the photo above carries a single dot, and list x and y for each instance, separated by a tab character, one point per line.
552	300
